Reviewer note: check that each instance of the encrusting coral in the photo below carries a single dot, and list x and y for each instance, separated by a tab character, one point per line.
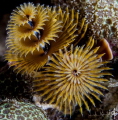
72	76
101	15
15	110
32	39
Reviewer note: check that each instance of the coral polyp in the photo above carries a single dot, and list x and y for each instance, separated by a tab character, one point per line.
34	41
71	77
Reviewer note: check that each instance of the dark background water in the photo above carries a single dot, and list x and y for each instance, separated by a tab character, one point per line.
6	6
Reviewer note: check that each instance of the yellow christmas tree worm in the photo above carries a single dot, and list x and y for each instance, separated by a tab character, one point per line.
28	62
35	32
23	14
71	77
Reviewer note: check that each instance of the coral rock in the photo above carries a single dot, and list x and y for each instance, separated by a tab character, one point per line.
20	111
